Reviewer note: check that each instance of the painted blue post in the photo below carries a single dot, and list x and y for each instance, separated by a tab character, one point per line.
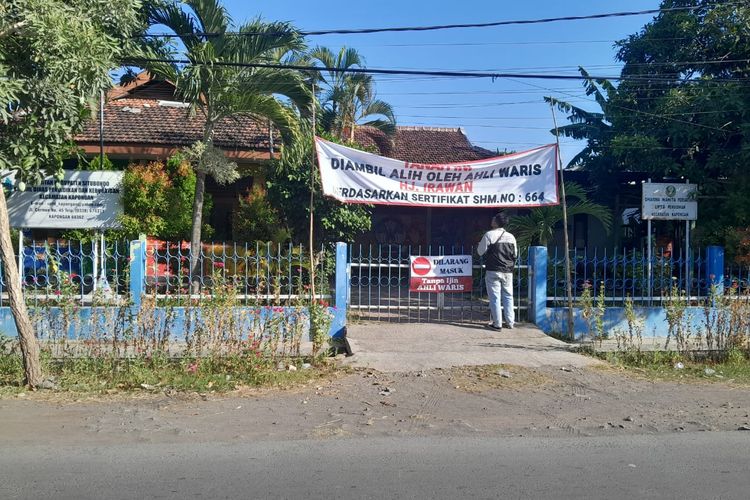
538	285
137	270
341	291
715	268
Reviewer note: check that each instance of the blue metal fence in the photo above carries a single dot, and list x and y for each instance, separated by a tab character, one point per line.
258	273
81	270
624	273
95	271
380	287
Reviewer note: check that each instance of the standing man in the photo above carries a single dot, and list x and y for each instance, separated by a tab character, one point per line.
501	249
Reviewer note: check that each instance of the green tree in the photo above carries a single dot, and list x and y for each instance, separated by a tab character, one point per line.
219	92
289	184
538	226
693	103
55	58
682	111
348	99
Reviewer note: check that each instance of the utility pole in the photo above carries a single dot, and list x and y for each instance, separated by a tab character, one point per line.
568	284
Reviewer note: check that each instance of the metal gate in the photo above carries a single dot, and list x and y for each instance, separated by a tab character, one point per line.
379	287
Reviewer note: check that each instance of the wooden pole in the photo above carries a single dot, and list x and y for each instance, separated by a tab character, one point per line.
687	253
568	284
649	271
312	197
101	130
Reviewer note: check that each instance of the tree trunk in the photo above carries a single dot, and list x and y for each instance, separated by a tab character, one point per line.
29	346
200	191
195	235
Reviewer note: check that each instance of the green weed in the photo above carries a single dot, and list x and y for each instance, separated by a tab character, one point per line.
672	365
161	373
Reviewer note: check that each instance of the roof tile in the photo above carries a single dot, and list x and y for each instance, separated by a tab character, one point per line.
422	144
137	114
146	121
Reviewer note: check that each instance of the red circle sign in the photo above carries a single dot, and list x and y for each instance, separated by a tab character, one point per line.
421	266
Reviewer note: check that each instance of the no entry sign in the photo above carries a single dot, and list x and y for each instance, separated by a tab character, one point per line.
421	266
440	273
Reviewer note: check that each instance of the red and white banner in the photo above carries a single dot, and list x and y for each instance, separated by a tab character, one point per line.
527	179
440	273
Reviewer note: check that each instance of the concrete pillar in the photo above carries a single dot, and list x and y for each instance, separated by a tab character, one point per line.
137	270
341	292
715	268
538	285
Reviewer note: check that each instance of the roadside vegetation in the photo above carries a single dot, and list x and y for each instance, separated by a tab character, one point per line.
161	373
710	341
671	365
217	341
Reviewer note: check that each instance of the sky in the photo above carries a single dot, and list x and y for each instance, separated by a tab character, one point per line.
506	114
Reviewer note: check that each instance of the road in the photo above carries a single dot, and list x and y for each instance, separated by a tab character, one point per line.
678	465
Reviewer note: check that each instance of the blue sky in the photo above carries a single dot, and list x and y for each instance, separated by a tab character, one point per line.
504	114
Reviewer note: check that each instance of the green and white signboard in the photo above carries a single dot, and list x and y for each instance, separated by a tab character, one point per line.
81	200
665	201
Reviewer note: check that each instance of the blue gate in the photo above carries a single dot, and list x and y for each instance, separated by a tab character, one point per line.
379	287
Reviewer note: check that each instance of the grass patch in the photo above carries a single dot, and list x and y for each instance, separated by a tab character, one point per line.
102	375
733	366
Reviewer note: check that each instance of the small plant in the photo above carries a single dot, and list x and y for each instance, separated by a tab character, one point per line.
586	303
593	312
7	344
599	312
630	340
320	325
678	321
726	321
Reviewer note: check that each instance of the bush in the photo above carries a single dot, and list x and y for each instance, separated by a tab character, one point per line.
158	200
256	220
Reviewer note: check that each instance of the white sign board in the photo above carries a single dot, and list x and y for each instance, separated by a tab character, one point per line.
81	200
665	201
527	179
440	273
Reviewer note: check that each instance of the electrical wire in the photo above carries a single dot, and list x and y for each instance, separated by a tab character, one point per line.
384	71
401	29
515	43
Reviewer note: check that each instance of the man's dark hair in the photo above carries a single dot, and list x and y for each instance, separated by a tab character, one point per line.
500	219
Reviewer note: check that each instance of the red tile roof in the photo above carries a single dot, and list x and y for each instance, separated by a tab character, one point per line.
422	144
145	112
142	114
146	121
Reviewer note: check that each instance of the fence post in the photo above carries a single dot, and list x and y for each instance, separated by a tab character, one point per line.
538	285
341	291
715	268
137	270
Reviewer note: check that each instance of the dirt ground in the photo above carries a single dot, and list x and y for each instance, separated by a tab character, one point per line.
492	401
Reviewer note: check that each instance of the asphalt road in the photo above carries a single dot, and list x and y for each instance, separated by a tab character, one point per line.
698	465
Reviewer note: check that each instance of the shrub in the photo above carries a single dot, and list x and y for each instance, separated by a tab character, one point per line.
257	220
158	200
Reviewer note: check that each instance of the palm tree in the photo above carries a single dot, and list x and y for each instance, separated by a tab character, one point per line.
538	227
219	92
348	99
